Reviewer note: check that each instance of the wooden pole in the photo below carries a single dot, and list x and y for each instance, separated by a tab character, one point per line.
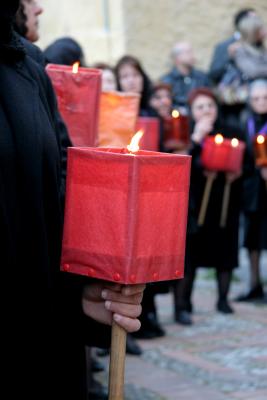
117	362
205	199
225	204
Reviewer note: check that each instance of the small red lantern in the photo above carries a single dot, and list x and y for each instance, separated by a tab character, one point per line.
260	148
176	131
220	155
151	128
78	94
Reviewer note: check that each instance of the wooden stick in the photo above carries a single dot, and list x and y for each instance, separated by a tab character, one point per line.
225	204
117	362
205	199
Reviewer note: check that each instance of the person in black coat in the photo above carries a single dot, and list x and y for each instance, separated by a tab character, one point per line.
255	190
210	245
184	77
47	316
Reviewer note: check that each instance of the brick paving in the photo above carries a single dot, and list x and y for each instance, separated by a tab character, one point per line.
218	358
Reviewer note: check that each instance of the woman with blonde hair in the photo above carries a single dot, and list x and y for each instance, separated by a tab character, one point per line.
251	56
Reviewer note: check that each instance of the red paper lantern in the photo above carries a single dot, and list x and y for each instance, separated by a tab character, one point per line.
220	154
126	215
78	94
176	131
260	148
150	127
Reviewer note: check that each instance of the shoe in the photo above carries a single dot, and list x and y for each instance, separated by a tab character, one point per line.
183	317
97	391
189	308
254	294
97	366
132	347
150	328
224	307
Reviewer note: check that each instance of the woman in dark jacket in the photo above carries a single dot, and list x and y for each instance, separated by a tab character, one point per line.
210	245
255	190
44	315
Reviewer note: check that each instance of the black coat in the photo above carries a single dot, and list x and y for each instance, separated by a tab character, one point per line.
43	327
182	85
254	192
36	54
220	60
210	245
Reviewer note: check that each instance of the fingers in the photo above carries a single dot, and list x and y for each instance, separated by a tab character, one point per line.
93	291
97	311
126	310
129	324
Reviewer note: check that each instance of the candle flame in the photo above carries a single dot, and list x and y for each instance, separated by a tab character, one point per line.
75	67
235	142
134	145
260	139
175	114
218	139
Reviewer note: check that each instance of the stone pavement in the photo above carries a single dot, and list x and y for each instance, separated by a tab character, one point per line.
219	358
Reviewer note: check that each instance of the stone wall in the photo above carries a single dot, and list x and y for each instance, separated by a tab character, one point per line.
154	26
147	29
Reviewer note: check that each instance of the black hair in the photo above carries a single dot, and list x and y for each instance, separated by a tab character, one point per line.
242	14
65	51
20	21
147	87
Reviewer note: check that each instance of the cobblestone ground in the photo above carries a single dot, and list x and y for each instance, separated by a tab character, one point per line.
218	358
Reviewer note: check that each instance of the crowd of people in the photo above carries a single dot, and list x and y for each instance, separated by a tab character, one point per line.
231	98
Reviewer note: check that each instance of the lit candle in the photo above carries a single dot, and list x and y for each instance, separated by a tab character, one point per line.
176	131
260	147
220	154
78	94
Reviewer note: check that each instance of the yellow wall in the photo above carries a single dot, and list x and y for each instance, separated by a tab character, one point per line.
144	28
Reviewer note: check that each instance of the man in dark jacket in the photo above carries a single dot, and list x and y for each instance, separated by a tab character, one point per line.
183	77
46	317
224	50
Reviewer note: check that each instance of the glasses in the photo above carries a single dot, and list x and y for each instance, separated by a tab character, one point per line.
258	98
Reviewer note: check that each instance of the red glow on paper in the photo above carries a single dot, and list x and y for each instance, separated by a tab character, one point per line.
176	131
221	154
150	127
78	95
126	216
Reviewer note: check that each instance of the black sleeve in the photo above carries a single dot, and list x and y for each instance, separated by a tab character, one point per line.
82	328
61	132
219	63
50	102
